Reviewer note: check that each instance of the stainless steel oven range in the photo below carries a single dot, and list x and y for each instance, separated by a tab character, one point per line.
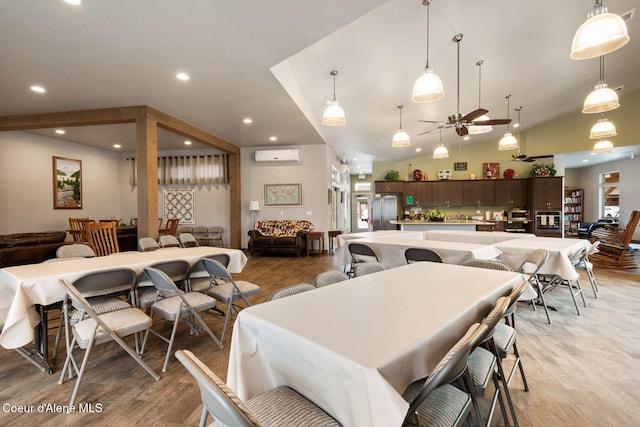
548	222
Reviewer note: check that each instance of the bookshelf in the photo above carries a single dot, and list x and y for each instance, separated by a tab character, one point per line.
573	210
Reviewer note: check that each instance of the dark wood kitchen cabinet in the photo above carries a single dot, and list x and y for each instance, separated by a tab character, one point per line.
447	193
417	192
388	186
547	193
511	192
478	193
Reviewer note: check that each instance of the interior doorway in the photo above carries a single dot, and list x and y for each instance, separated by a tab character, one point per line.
610	195
361	213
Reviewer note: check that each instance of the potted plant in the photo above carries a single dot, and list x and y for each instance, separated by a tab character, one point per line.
392	175
435	215
541	169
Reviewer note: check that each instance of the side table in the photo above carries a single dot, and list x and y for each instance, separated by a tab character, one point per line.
317	236
332	235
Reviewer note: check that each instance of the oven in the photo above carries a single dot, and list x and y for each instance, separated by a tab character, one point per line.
518	215
517	226
548	222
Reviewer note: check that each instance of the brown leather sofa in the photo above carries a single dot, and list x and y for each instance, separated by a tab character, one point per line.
29	248
279	237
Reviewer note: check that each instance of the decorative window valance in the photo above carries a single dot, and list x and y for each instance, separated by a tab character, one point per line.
200	169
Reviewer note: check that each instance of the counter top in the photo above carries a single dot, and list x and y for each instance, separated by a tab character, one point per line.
449	222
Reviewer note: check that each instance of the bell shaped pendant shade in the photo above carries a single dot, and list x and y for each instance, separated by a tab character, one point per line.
333	115
478	130
600	34
401	139
603	146
508	142
428	87
600	100
602	129
441	152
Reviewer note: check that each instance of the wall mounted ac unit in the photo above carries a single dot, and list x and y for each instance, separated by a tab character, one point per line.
284	155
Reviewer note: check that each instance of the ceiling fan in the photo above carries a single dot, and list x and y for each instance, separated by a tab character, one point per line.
457	120
522	157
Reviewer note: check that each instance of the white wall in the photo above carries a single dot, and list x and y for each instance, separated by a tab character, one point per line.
26	193
629	193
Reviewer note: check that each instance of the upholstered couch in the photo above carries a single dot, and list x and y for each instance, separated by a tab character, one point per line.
279	237
29	248
586	228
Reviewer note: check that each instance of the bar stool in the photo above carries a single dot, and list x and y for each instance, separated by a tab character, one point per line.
332	235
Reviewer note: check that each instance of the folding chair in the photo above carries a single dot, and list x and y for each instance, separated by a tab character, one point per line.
421	254
291	290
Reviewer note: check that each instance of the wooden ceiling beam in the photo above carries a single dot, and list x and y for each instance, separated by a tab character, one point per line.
100	116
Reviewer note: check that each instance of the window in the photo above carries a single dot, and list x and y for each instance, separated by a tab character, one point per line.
610	194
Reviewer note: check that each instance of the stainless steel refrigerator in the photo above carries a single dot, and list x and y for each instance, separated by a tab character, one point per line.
384	209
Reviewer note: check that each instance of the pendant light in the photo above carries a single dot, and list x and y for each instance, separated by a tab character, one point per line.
602	129
603	146
508	142
401	138
333	114
602	98
441	151
600	34
473	129
428	87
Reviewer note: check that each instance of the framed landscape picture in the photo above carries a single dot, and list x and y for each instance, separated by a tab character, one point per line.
67	183
283	195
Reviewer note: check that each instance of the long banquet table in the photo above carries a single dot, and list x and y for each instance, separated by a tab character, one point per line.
353	347
24	286
479	237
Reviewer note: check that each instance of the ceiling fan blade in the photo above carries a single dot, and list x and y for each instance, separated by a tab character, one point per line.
433	121
540	157
491	122
429	131
528	160
474	115
462	130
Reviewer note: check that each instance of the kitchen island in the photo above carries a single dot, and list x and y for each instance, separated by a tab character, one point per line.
454	224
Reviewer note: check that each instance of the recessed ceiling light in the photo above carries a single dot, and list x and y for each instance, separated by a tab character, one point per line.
60	131
358	167
466	138
418	150
273	138
74	2
516	125
117	146
38	89
183	76
592	154
187	142
247	121
355	159
585	160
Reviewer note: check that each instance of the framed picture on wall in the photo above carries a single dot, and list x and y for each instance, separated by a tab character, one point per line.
491	170
283	194
67	183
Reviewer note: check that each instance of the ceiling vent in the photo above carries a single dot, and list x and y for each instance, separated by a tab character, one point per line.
288	155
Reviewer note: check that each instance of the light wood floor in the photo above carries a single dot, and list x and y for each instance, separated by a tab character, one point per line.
582	370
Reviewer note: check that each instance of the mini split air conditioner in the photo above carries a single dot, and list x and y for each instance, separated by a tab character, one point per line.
288	155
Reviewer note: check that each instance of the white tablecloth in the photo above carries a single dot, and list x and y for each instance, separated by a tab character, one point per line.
390	250
343	240
479	237
514	253
21	287
353	347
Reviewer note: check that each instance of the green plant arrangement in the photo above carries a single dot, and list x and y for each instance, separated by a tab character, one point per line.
435	215
541	169
392	175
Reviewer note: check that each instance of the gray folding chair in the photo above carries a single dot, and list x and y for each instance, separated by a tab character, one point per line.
169	241
360	253
487	264
530	267
147	244
281	406
172	304
226	290
187	240
214	234
95	329
421	254
362	268
75	250
574	286
329	278
199	282
291	290
584	264
177	270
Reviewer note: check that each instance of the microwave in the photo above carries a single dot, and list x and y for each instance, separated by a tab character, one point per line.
518	215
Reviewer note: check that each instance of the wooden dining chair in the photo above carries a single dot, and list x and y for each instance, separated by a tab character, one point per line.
78	229
171	228
103	238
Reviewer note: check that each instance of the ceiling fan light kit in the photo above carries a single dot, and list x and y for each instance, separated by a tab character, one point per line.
603	146
601	33
508	141
602	129
428	87
400	138
479	129
333	114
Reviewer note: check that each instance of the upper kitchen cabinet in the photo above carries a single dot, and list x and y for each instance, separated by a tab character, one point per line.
417	193
447	193
511	192
547	193
478	193
389	186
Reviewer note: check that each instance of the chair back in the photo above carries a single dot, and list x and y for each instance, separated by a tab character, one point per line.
188	240
514	296
216	269
223	259
498	311
172	227
103	238
161	281
291	290
488	264
214	233
593	248
329	278
169	241
533	262
450	366
218	399
80	302
364	268
421	254
361	253
75	250
147	244
177	270
578	256
104	282
78	228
